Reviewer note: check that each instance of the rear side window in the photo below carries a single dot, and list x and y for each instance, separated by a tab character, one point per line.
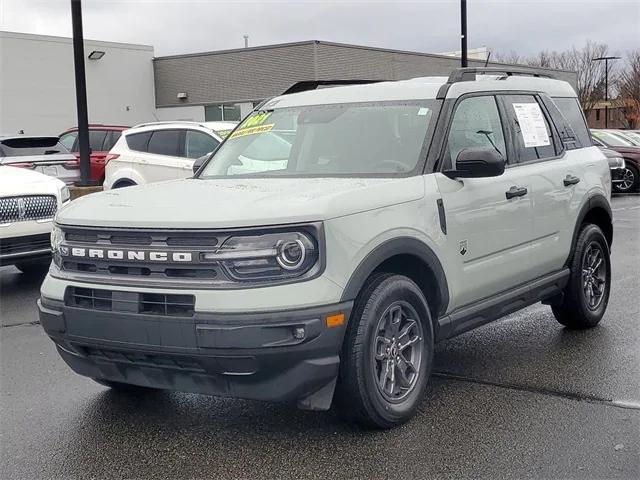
96	139
572	112
165	142
198	144
138	141
68	140
532	135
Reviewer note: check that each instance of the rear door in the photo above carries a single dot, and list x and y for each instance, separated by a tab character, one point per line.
489	230
542	158
161	161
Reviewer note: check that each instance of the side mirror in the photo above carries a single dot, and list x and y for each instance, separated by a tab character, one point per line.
477	163
198	163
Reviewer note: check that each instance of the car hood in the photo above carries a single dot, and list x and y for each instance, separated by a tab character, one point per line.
21	181
230	203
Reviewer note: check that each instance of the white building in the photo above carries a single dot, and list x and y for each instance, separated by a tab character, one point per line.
37	84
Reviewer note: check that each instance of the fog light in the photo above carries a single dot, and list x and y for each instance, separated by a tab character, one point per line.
298	333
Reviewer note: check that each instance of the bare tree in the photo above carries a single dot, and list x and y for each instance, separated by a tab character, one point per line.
629	89
590	74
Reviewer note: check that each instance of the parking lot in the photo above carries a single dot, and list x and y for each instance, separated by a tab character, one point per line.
522	397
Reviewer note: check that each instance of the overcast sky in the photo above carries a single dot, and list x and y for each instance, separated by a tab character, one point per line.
174	27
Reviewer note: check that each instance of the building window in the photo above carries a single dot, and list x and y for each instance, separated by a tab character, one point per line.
225	113
597	115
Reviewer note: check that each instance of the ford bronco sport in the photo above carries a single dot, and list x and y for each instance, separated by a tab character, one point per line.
401	214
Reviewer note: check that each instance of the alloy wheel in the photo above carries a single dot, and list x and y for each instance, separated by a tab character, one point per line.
627	180
594	275
398	351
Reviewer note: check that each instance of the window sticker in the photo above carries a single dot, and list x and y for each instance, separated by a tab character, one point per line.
423	111
532	125
251	130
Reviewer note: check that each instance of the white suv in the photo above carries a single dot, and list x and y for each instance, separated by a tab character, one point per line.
152	152
405	213
28	202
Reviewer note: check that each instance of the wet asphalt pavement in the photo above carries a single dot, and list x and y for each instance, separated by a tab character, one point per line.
521	397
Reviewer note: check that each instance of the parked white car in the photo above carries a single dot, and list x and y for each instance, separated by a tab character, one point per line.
28	203
158	151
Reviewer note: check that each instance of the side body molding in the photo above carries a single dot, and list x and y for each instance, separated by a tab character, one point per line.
391	248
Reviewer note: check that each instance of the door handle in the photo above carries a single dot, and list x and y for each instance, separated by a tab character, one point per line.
516	192
570	180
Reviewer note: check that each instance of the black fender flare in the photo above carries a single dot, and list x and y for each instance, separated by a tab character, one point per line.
594	201
391	248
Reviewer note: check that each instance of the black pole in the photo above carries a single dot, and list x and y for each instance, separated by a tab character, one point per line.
463	32
606	93
81	91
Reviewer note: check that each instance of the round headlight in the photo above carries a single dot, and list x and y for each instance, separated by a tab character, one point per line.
291	254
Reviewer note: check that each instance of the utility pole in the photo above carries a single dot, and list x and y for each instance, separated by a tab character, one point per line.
81	91
606	86
463	32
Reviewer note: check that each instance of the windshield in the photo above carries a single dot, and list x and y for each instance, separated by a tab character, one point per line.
326	140
611	140
630	137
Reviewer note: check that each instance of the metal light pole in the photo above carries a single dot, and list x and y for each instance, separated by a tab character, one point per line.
463	32
81	91
606	86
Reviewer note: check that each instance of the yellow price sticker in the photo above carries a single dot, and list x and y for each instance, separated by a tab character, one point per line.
243	132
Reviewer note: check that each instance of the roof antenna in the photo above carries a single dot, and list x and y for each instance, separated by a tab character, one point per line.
486	62
246	40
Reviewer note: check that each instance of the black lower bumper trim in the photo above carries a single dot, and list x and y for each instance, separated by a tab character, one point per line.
277	356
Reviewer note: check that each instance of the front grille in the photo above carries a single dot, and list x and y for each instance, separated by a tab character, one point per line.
172	305
137	270
26	244
29	207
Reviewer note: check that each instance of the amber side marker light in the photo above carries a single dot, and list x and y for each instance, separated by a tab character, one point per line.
336	320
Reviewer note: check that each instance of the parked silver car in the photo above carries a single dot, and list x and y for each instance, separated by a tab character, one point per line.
42	154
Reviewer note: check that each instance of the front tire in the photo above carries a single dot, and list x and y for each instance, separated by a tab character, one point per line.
630	180
387	354
587	293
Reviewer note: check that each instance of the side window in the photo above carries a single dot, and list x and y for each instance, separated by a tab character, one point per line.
476	124
96	139
165	142
68	140
112	137
198	144
532	135
571	110
138	141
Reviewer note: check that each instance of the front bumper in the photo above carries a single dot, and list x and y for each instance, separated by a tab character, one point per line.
25	248
253	356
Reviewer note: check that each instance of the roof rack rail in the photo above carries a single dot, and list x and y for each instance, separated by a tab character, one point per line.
469	73
306	85
166	122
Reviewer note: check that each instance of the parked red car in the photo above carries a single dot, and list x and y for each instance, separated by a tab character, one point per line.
101	139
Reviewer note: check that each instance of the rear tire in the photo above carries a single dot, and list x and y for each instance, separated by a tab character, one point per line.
587	293
387	354
124	183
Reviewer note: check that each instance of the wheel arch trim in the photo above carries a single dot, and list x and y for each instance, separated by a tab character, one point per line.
594	202
391	248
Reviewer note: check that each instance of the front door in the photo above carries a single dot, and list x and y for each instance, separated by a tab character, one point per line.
489	220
